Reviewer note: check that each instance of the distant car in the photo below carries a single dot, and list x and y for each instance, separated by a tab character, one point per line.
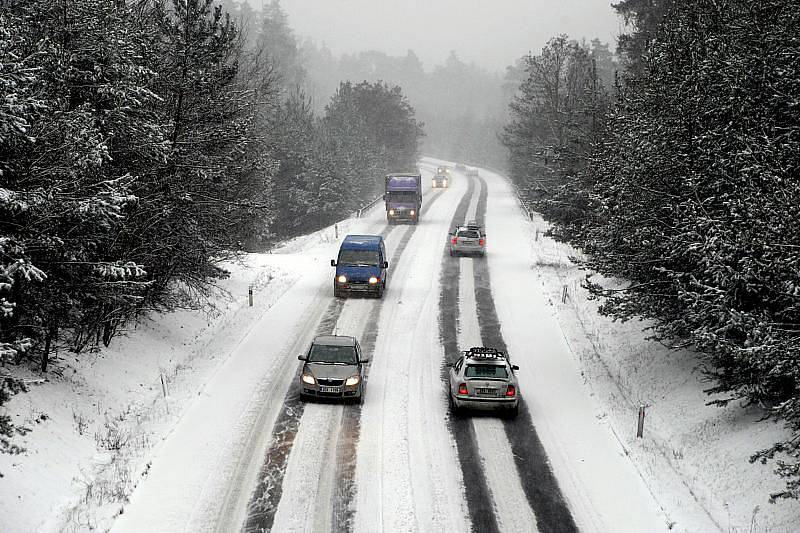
443	170
460	167
467	239
440	181
483	378
333	368
472	172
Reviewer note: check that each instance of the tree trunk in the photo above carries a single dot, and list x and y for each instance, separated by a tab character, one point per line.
51	333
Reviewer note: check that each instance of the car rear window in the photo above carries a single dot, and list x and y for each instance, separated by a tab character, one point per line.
321	353
468	233
486	371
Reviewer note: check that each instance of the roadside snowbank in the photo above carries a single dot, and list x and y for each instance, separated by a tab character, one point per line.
689	450
96	421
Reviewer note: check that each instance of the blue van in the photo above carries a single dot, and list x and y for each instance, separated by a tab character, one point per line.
361	266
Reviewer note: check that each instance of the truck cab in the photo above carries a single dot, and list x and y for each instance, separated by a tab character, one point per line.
403	197
361	266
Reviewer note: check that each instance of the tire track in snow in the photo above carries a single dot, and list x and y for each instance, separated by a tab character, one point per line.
479	498
344	496
402	469
269	489
511	505
537	478
267	494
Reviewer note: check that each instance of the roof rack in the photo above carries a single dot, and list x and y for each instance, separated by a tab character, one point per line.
485	352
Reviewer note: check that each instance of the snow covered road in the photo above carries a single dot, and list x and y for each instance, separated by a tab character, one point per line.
247	453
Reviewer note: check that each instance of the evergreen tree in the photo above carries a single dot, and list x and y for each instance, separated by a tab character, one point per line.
557	118
693	199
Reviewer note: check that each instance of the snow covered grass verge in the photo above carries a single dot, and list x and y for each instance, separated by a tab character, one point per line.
688	447
95	421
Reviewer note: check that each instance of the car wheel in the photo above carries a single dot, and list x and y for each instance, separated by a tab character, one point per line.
337	293
455	409
379	294
512	413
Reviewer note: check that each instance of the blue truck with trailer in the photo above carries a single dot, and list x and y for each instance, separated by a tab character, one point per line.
403	197
361	266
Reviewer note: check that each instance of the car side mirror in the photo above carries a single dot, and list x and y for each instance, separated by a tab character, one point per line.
514	367
364	360
385	264
333	262
301	357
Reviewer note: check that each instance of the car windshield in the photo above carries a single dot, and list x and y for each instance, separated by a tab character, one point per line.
403	196
324	353
486	372
359	257
468	233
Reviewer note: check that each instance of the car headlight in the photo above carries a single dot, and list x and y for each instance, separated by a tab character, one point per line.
353	380
391	211
342	279
412	212
308	378
373	280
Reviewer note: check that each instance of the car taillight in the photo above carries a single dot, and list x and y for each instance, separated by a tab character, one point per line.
454	240
480	242
462	389
511	391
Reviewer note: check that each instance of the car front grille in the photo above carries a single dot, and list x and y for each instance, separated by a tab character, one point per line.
331	382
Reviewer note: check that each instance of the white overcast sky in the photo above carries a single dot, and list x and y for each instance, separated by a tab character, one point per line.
492	33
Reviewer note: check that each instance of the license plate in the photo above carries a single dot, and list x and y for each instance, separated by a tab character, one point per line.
329	389
486	392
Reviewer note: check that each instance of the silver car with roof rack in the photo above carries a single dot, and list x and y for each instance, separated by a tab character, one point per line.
334	367
467	239
483	378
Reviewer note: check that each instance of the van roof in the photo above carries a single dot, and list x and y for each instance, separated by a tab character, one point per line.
368	242
335	340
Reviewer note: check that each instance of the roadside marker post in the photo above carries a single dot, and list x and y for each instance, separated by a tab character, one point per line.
640	425
250	295
164	390
537	235
564	295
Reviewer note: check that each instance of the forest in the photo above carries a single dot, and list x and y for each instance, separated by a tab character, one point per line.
679	175
143	143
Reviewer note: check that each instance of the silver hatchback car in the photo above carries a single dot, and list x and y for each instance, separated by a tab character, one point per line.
483	378
468	239
333	368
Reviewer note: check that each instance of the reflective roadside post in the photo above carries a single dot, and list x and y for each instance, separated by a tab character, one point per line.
250	295
640	425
